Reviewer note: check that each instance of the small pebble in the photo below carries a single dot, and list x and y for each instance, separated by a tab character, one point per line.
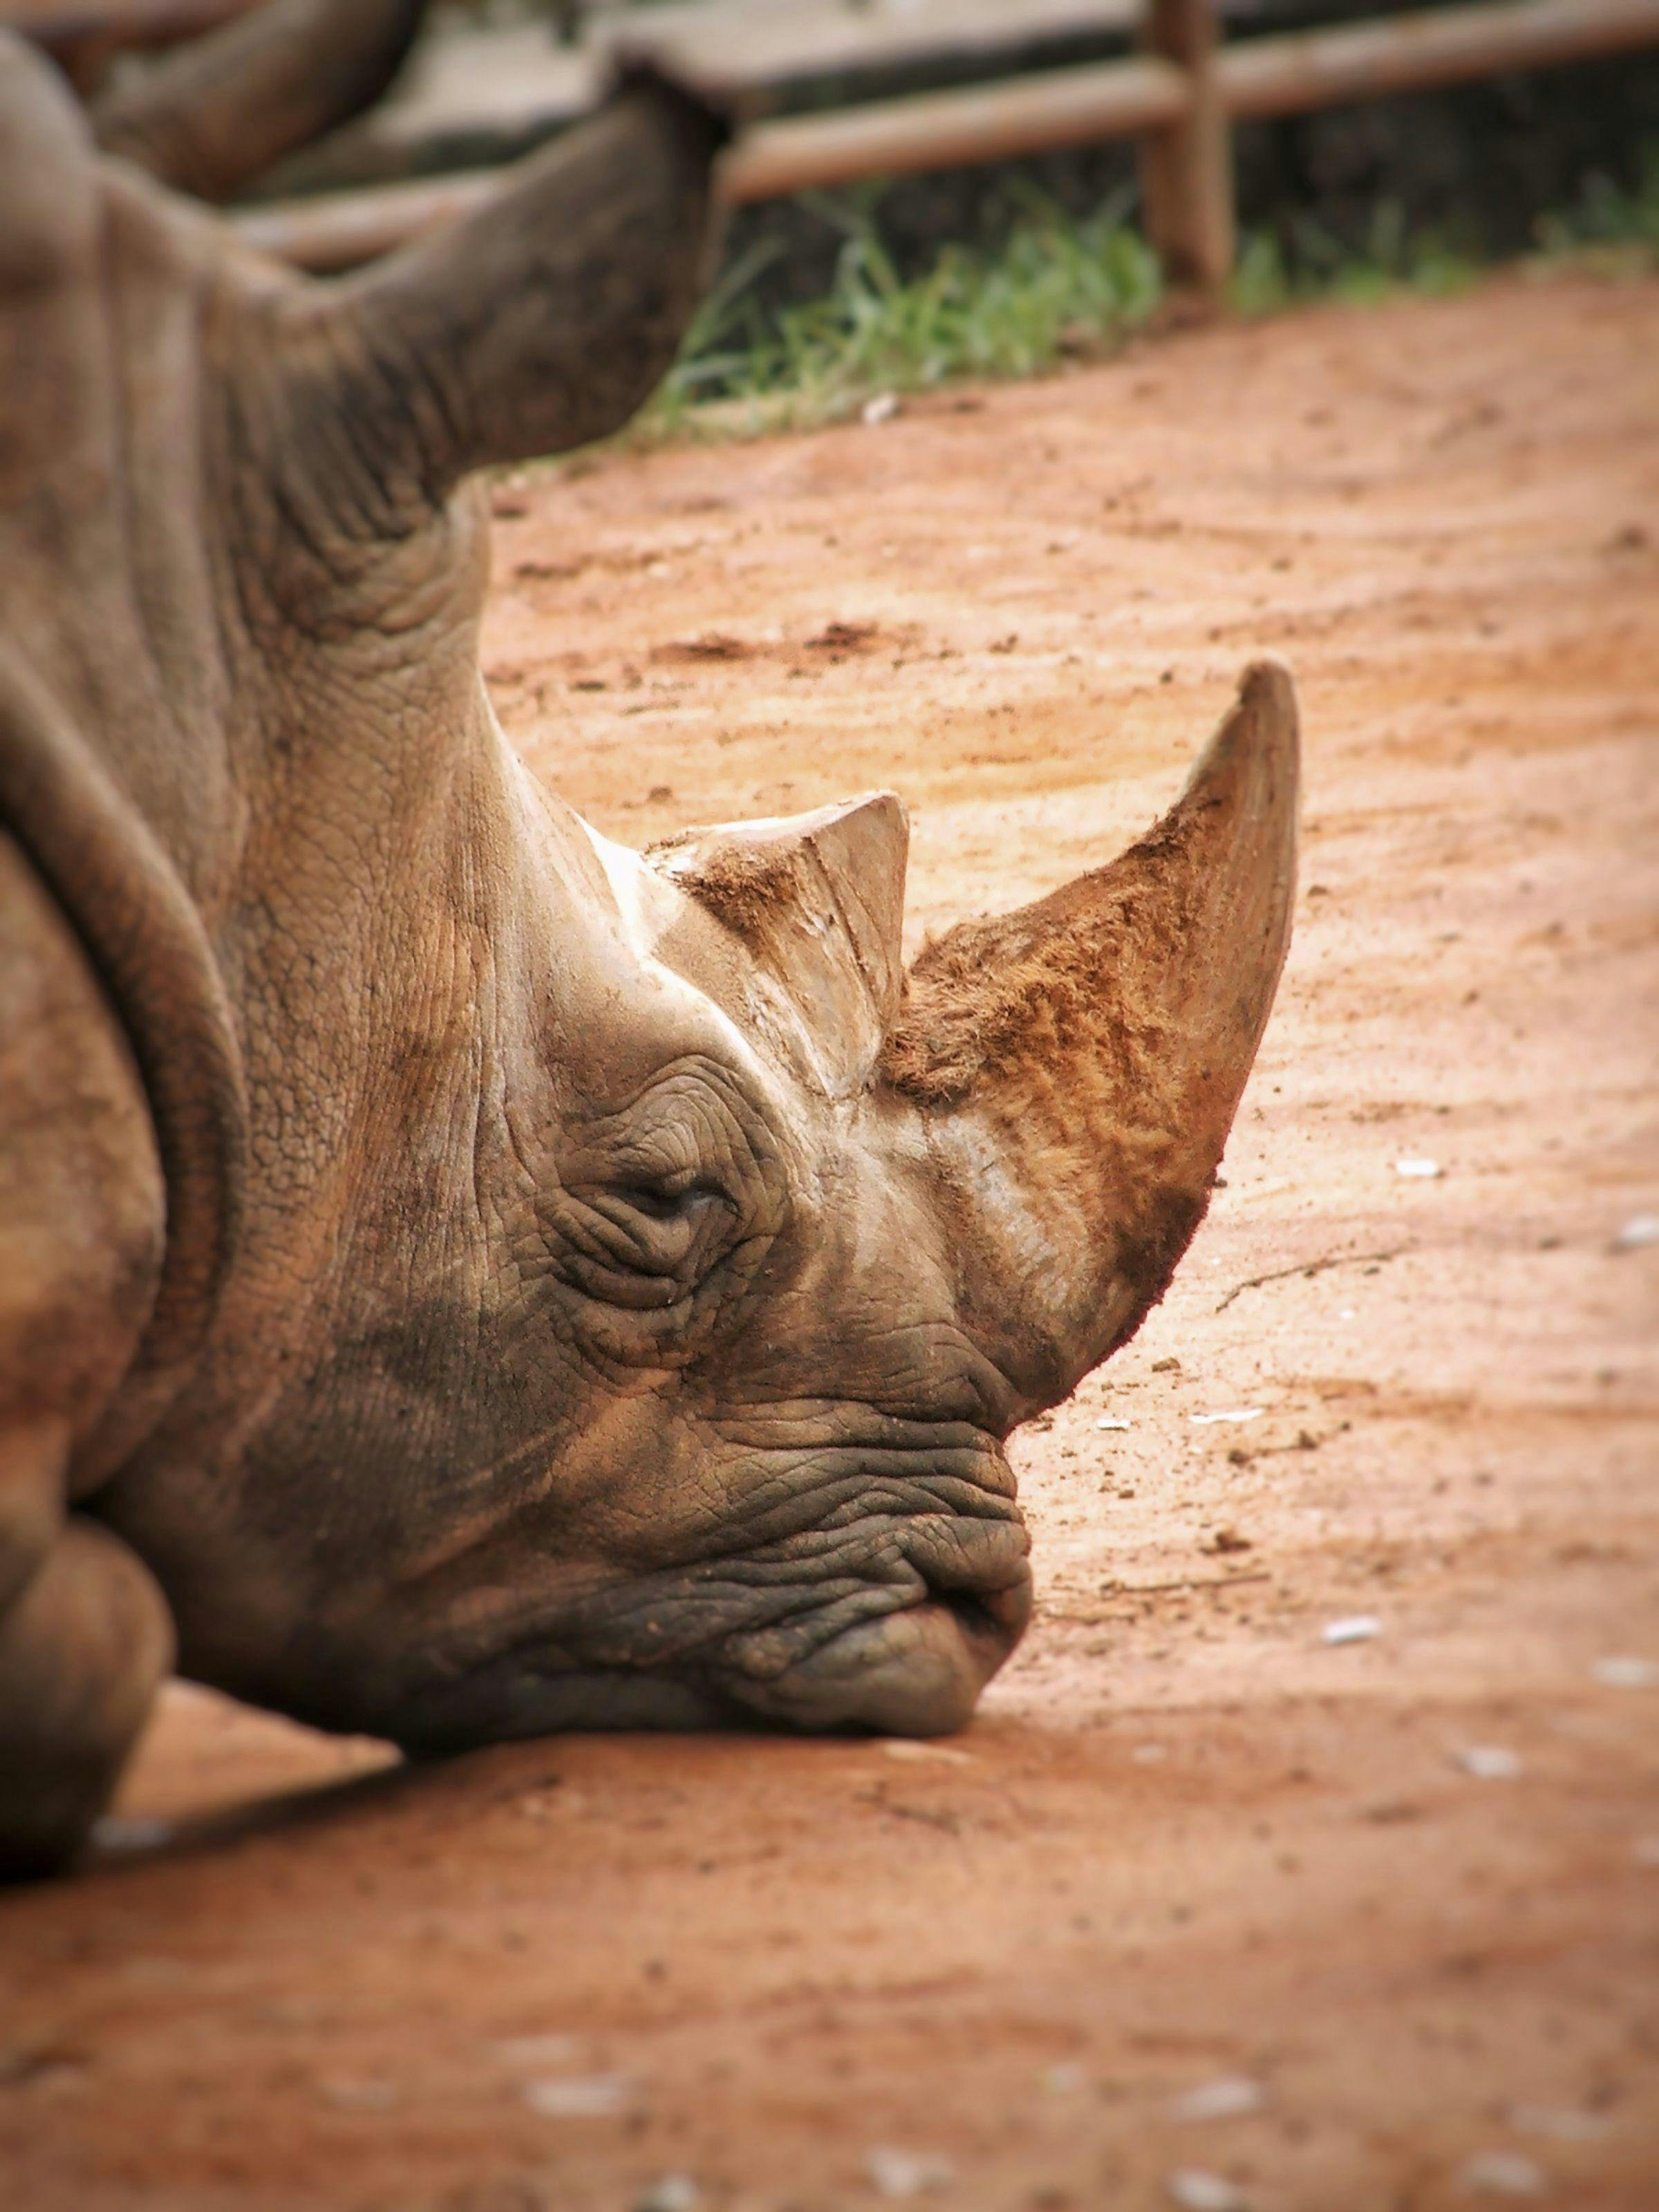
1621	1671
674	2192
578	2096
1641	1229
937	1754
907	2173
1227	2098
1194	2190
1106	1422
1418	1170
1488	1762
1352	1628
882	409
118	1832
1064	2080
1231	1413
1150	1754
1502	2173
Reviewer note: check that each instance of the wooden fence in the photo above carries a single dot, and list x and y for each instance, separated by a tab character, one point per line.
1179	96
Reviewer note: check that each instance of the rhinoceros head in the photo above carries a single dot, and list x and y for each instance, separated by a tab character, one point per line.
587	1288
825	1232
710	1309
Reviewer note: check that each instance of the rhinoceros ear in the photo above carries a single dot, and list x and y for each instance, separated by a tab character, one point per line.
1077	1065
818	901
538	322
220	109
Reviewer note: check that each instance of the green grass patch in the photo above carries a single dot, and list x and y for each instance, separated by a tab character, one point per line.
1608	227
1057	288
1275	271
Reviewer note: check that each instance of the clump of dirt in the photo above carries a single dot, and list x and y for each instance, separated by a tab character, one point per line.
840	637
1024	994
712	645
741	885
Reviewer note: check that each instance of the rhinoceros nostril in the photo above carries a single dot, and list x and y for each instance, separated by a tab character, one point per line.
973	1613
989	1616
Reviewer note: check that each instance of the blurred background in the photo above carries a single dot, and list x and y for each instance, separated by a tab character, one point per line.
1358	160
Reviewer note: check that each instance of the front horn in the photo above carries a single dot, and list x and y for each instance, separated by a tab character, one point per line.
1076	1064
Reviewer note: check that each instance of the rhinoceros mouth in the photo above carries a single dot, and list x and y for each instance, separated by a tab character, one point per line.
915	1667
899	1641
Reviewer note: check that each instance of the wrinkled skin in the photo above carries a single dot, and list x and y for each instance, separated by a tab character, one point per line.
465	1279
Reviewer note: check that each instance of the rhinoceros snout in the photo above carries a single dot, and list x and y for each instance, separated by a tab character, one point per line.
917	1671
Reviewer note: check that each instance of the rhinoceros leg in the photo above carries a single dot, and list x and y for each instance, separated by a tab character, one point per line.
84	1633
82	1653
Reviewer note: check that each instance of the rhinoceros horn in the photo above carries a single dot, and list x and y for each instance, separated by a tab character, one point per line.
1077	1063
817	903
1066	1074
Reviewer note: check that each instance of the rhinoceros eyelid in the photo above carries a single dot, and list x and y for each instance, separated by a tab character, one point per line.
628	1203
666	1196
641	1229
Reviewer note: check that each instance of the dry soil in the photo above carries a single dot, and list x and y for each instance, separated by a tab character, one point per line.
1405	1888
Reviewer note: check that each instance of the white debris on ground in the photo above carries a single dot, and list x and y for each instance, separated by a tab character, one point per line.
118	1831
674	2192
1194	2190
1109	1421
882	409
1502	2173
1419	1170
1488	1762
1064	2080
1560	2122
1641	1229
907	2173
1623	1671
1229	2097
1228	1413
935	1755
1352	1628
579	2096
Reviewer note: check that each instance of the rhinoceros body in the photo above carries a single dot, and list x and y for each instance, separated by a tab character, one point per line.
460	1278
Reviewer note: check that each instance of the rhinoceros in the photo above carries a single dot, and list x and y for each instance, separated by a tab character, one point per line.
460	1278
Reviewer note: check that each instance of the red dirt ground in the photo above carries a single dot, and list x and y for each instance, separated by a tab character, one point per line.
1186	1839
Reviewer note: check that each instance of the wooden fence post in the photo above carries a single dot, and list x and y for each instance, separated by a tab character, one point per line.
1187	169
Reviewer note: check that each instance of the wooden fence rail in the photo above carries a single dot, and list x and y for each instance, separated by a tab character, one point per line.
1180	97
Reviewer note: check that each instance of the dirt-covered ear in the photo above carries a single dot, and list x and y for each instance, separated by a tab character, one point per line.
818	901
222	109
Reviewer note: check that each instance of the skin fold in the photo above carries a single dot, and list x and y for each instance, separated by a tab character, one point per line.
464	1278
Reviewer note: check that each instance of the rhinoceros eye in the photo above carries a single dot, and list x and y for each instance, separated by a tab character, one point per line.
646	1241
675	1197
668	1200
